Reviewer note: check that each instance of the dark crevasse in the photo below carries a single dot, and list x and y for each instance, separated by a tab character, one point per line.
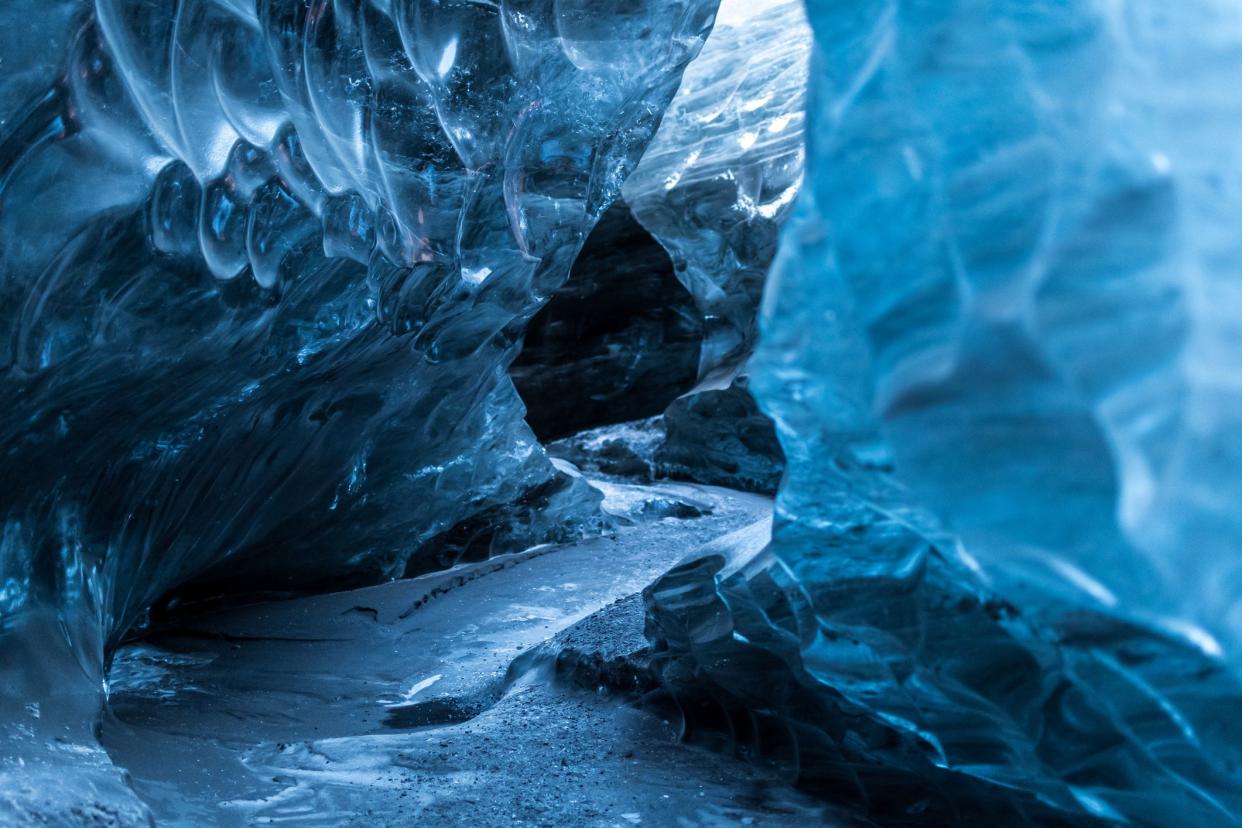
618	341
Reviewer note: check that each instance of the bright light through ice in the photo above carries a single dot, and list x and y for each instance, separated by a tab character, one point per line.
475	275
734	12
447	58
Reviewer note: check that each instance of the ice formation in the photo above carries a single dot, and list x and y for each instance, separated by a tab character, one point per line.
1015	257
722	173
715	187
1001	586
268	271
264	268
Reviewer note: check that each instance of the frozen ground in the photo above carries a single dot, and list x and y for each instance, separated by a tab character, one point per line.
402	704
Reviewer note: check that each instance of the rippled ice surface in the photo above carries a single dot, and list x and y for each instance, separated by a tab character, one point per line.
999	344
265	268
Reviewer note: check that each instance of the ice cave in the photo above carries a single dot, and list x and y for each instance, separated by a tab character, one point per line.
612	413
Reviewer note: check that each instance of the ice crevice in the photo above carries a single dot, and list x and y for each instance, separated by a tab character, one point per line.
444	410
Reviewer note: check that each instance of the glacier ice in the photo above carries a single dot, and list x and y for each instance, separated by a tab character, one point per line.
1013	255
1001	583
722	172
264	268
270	271
715	186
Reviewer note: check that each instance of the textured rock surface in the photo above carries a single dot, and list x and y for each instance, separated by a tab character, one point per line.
718	435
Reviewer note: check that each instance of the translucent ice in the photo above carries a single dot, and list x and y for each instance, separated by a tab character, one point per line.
714	187
721	175
1013	264
1000	346
262	270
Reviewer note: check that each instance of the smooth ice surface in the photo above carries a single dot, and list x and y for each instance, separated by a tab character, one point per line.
1014	263
715	186
1000	346
721	175
262	270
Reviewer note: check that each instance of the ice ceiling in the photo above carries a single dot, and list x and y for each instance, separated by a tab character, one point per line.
956	280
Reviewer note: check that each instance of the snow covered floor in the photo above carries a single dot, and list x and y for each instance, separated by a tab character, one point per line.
400	704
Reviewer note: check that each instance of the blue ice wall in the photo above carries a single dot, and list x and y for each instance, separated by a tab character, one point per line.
1000	346
263	267
1015	267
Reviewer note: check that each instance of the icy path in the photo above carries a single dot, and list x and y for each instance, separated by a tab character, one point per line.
396	705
